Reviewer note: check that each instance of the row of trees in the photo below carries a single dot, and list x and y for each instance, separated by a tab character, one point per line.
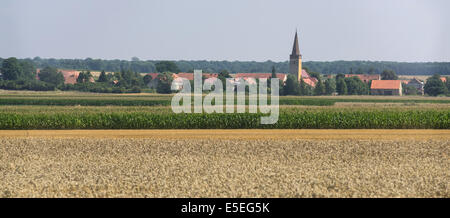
332	67
21	75
340	85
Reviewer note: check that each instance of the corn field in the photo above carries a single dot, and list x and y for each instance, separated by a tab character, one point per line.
320	119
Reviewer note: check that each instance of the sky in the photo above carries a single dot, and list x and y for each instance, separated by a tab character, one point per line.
232	30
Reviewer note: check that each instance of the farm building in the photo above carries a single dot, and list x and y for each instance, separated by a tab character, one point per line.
386	87
364	77
416	84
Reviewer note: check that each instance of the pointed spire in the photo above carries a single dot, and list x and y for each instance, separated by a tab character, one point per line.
295	49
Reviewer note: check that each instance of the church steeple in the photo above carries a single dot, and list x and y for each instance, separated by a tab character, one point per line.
295	49
295	60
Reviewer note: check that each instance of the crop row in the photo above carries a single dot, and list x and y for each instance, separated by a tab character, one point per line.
134	102
424	119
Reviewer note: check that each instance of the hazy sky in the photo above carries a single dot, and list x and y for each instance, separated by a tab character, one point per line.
255	30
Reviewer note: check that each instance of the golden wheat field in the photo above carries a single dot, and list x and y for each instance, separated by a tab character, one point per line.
225	163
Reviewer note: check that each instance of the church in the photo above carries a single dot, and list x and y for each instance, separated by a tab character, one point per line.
295	65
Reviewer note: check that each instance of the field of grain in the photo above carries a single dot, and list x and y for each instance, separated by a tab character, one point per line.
419	77
225	163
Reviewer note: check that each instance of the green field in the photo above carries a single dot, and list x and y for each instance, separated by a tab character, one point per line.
73	99
151	111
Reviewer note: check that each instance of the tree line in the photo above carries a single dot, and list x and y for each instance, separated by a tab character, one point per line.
19	74
331	67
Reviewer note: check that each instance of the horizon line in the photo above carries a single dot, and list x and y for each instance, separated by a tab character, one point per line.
433	61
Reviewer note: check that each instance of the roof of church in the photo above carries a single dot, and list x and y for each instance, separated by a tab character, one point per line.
295	49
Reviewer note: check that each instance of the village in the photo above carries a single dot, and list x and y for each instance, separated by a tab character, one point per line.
225	107
302	82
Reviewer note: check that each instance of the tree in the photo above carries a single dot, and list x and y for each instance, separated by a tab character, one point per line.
274	72
11	69
340	75
129	79
435	86
292	86
304	88
341	86
28	70
314	74
389	75
330	86
447	83
164	83
84	77
409	90
147	79
272	76
223	75
167	66
102	77
51	75
320	88
355	86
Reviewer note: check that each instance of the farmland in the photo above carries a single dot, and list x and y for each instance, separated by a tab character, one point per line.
288	119
68	144
22	110
213	163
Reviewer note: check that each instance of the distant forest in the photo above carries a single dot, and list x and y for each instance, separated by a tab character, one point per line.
332	67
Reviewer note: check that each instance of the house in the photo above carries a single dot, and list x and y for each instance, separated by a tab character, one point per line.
312	81
365	77
70	76
419	85
190	76
281	76
386	87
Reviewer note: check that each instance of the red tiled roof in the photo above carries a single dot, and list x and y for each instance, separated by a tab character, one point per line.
280	76
312	81
305	74
210	75
405	81
70	76
386	84
443	79
153	75
190	76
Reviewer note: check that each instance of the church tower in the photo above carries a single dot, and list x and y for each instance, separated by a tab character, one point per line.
295	60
